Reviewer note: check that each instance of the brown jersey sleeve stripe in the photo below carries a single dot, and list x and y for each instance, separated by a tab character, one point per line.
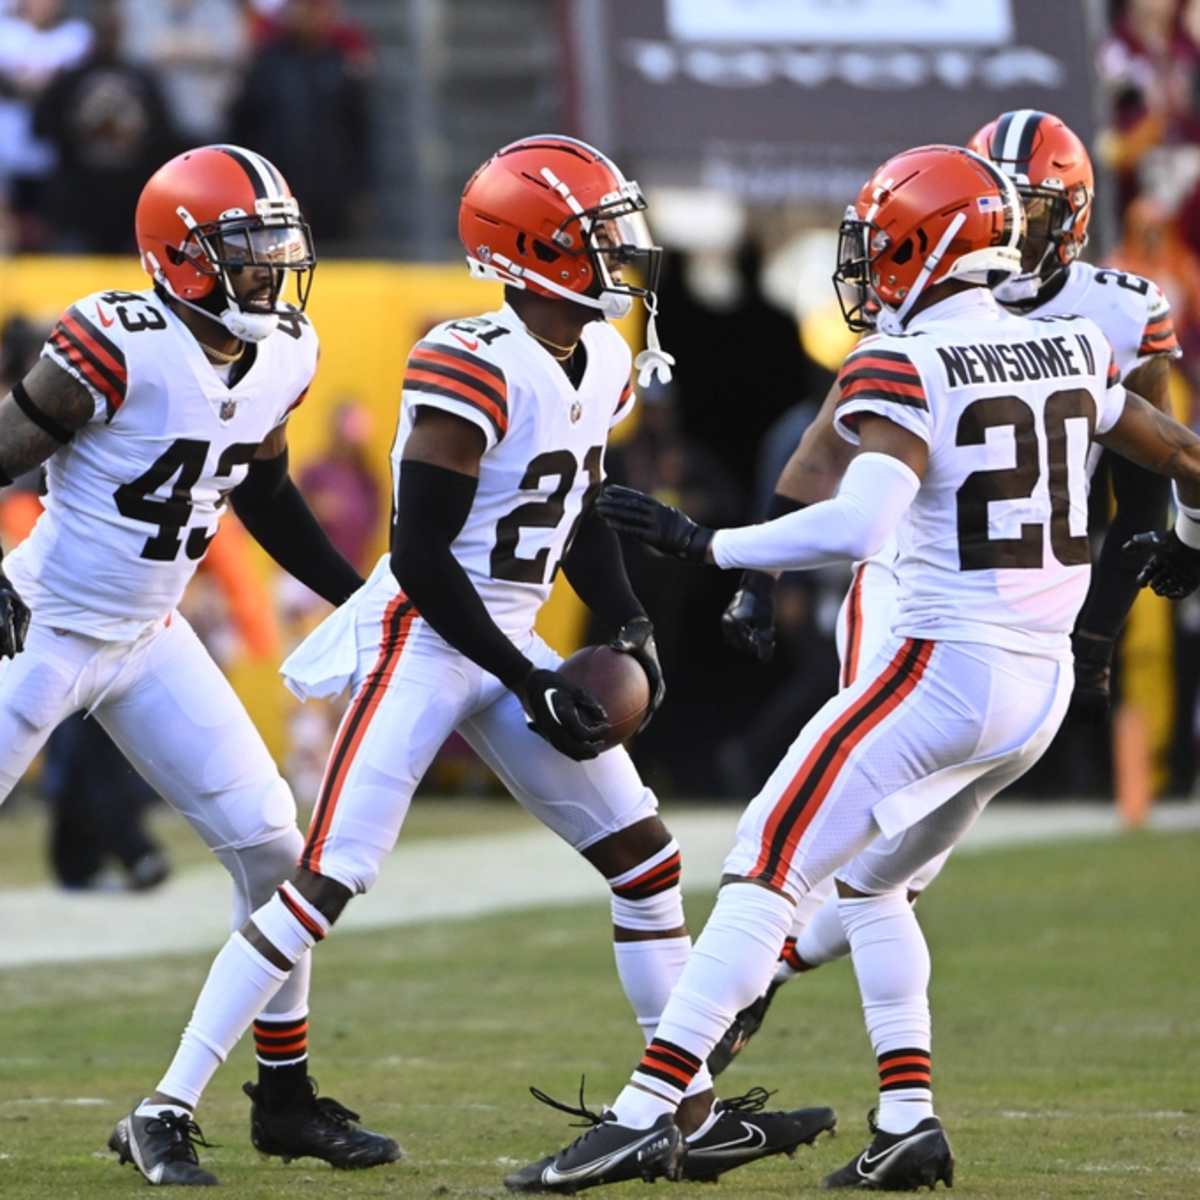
804	795
104	346
435	385
483	370
398	619
71	338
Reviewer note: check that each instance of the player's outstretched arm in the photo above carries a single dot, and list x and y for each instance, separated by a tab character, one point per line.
39	415
270	505
1157	442
811	475
876	492
1141	504
439	474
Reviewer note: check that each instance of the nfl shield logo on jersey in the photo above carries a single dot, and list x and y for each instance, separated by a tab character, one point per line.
228	409
576	411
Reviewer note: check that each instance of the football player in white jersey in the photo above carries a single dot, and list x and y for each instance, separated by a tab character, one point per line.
974	427
498	456
1053	175
151	409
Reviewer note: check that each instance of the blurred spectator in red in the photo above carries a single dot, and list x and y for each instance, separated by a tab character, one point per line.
108	122
304	105
340	487
36	42
1151	247
1152	68
200	48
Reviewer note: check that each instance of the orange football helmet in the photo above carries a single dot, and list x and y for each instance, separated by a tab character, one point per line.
553	215
1053	174
213	211
925	216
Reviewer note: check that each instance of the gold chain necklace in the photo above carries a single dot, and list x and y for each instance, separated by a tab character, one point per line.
567	351
223	359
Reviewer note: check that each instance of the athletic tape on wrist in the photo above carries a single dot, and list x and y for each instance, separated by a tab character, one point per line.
47	424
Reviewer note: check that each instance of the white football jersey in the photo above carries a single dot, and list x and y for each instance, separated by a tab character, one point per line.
135	497
1133	314
544	455
994	548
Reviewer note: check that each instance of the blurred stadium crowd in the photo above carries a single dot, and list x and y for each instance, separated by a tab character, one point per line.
95	95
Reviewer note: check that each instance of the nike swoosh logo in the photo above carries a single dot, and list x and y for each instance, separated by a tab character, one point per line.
105	321
868	1167
470	343
550	694
552	1175
754	1139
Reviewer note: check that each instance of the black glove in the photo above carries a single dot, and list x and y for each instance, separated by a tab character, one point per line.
660	526
1172	570
636	637
748	621
14	619
570	719
1093	667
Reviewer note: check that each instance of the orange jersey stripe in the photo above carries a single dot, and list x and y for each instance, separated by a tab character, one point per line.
354	726
817	774
853	628
489	378
462	391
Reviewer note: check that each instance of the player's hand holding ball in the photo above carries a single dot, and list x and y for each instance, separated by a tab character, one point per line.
658	525
568	717
14	619
636	638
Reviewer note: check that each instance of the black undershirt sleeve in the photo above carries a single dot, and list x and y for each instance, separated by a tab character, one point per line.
1141	505
271	507
595	567
432	504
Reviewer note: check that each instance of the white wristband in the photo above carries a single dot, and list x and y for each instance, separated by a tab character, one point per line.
1187	529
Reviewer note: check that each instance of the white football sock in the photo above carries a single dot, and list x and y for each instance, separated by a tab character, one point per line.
239	983
891	961
729	967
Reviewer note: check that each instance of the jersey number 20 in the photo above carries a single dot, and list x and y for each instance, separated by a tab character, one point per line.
976	550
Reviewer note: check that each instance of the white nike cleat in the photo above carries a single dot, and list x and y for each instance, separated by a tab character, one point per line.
162	1148
900	1162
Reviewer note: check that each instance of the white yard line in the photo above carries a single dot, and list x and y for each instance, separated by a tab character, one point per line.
442	879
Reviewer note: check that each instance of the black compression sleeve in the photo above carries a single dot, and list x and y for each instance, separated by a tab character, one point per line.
1141	505
432	504
595	567
280	521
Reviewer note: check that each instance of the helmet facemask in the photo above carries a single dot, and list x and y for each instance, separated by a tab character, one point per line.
1050	244
277	238
852	279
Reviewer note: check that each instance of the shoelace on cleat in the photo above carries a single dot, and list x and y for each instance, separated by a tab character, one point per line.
592	1120
185	1136
755	1100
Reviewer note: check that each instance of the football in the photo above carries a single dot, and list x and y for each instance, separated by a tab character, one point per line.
617	681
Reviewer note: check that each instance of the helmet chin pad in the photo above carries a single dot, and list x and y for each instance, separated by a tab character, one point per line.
249	327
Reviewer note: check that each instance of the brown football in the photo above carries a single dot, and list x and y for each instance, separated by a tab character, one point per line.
617	681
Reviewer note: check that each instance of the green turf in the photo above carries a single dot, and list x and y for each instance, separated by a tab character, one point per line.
1067	1043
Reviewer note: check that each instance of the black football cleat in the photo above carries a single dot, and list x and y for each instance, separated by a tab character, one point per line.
743	1133
899	1162
607	1153
744	1026
162	1148
317	1127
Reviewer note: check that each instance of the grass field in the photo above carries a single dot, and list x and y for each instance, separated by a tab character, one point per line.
1067	1043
